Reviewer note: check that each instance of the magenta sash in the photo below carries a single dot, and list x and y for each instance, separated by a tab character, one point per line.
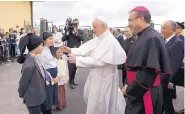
131	75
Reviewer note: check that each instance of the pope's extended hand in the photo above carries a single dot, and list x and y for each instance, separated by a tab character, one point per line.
71	58
66	49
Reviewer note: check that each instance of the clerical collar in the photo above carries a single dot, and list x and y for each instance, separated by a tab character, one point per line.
141	32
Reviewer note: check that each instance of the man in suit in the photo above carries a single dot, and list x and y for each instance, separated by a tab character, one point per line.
180	28
119	37
130	39
74	40
175	48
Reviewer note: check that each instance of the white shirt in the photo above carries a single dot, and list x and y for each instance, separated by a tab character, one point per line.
58	37
47	59
168	39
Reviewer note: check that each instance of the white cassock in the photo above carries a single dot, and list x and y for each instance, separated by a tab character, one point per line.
101	91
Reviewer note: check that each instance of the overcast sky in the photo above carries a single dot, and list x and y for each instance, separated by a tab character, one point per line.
116	11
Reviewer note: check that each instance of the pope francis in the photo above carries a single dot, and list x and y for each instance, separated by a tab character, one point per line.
102	55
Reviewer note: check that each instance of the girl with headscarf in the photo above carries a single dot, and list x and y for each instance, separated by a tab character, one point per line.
32	84
49	61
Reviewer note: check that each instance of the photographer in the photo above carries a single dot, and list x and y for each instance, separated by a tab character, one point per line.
73	38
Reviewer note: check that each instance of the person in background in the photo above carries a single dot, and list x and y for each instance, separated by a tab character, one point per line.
63	79
17	43
179	30
74	40
119	37
5	50
1	49
183	32
175	48
57	37
130	39
1	33
22	32
12	42
128	42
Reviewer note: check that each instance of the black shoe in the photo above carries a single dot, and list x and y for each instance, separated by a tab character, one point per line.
71	86
75	84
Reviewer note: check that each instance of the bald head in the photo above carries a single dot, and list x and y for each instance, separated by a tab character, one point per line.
128	33
172	25
99	27
168	28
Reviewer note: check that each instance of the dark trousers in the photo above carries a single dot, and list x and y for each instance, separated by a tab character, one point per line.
38	110
167	97
72	72
52	90
12	51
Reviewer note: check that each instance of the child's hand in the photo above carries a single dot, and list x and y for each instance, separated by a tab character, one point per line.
55	80
52	82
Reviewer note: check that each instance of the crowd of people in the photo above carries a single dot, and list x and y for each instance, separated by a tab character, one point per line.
9	42
151	65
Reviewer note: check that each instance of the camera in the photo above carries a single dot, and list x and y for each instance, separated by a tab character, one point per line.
69	27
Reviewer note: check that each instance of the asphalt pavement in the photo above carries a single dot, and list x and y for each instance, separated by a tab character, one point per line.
10	103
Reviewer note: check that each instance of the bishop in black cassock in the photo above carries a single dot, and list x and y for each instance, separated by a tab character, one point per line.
146	60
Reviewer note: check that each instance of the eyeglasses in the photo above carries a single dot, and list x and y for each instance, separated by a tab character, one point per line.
132	19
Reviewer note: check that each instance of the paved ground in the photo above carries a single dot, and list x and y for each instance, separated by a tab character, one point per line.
10	103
